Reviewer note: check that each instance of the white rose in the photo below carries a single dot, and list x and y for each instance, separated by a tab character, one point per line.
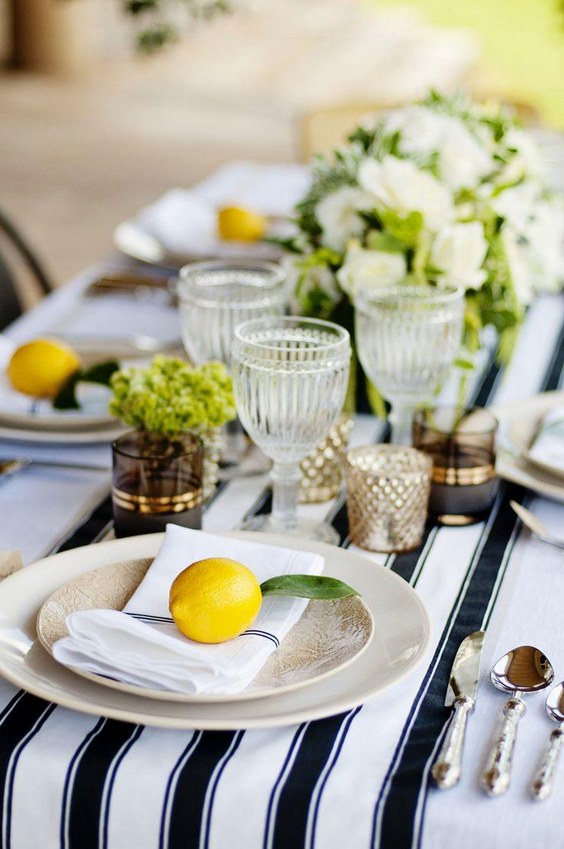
463	159
527	162
521	268
516	205
370	268
459	251
401	186
337	214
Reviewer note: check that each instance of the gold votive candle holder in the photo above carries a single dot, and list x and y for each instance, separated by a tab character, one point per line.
322	469
387	496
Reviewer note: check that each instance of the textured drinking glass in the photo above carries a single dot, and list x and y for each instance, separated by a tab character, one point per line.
461	443
290	379
156	480
215	297
387	495
407	339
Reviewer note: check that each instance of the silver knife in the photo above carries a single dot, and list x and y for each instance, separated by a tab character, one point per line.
460	695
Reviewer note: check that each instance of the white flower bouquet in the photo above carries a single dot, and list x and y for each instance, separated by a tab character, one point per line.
443	191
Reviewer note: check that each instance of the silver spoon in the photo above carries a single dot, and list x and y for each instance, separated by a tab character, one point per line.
541	787
522	670
534	524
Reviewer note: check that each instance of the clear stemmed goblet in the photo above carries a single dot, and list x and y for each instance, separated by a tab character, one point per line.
214	297
407	339
290	378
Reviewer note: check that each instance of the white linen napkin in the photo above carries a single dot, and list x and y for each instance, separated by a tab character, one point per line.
548	447
141	645
185	221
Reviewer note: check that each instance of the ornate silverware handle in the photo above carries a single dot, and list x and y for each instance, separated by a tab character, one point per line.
541	788
497	773
448	766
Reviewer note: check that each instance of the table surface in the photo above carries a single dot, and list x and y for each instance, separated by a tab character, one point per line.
359	779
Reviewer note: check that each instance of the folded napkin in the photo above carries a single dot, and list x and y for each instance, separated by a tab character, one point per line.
141	645
548	447
185	221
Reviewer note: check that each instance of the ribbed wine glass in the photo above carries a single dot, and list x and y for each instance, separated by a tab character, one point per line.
214	297
290	379
407	339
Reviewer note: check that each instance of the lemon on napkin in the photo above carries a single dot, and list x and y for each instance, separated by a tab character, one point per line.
42	367
237	224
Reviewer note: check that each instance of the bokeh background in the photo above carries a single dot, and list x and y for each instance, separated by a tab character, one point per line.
90	131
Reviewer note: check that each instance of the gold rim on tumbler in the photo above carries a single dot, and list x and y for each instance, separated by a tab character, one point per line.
387	496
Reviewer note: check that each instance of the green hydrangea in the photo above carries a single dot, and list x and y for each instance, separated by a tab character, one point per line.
170	396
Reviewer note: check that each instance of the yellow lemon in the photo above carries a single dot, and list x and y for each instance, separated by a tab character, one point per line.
214	600
240	225
42	367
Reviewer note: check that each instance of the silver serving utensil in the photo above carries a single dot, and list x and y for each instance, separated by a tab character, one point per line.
460	695
522	670
12	465
534	524
541	786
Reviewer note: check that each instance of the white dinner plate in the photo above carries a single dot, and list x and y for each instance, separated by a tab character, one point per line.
69	436
328	636
401	635
519	420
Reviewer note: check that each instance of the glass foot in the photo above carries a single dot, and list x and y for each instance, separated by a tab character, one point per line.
320	531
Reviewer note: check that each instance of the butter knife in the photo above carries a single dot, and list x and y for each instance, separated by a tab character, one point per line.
461	696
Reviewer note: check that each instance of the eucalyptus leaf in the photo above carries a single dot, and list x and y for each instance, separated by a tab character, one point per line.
307	586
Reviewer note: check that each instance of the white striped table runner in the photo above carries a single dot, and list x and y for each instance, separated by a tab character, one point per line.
359	779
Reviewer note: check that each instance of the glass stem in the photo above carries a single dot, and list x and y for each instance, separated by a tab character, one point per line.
286	478
401	419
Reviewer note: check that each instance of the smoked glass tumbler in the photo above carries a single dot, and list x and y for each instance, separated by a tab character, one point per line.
290	379
407	339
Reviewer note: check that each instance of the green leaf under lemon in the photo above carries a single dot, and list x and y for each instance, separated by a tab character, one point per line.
100	373
307	586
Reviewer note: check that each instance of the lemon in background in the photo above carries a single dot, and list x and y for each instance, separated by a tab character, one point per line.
214	600
240	225
42	367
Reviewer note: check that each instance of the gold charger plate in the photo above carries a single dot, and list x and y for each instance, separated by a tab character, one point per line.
328	636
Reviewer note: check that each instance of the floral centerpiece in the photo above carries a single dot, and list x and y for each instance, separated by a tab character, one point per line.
444	192
170	397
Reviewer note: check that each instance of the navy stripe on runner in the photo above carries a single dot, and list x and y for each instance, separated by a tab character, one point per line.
87	791
293	806
397	819
554	371
19	721
137	731
186	812
213	787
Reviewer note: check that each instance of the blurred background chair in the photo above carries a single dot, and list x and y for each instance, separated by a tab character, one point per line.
22	275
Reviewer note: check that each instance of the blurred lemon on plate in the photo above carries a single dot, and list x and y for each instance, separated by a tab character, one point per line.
214	600
240	225
42	367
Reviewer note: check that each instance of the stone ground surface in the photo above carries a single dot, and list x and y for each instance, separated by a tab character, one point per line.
79	156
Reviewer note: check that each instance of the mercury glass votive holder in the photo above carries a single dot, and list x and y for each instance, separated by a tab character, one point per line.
387	496
156	480
322	469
